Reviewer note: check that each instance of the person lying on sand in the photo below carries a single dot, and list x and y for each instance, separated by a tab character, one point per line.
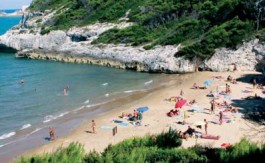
173	99
189	133
203	87
181	135
234	81
210	94
217	77
229	78
231	109
126	115
192	102
195	86
255	97
173	112
224	104
260	86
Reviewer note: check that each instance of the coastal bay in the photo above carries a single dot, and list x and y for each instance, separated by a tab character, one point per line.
71	63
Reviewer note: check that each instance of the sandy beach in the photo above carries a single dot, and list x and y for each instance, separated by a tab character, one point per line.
155	120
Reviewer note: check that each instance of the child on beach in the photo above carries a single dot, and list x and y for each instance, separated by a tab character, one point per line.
93	126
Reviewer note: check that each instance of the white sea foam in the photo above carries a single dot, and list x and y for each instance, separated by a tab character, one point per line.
149	82
36	130
49	118
105	84
87	101
80	108
130	91
107	95
62	114
2	145
25	126
89	106
5	136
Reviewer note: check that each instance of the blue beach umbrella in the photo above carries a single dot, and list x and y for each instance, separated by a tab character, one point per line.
207	82
142	109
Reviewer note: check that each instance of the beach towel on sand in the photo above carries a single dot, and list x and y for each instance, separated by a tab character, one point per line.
226	145
210	137
180	103
142	109
106	127
121	123
247	91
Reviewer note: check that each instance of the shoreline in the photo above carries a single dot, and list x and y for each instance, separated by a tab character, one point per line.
155	120
74	118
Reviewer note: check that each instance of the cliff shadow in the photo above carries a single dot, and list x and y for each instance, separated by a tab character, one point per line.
254	109
5	49
248	78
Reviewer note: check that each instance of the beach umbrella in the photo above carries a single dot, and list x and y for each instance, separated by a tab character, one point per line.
180	103
207	82
142	109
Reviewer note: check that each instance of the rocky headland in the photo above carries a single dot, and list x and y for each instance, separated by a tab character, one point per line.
74	45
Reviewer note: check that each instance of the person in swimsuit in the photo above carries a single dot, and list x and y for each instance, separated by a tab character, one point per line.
93	126
206	126
221	117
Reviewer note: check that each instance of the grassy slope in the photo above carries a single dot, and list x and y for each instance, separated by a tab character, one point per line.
200	25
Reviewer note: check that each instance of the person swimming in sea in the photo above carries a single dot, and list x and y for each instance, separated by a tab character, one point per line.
21	81
65	90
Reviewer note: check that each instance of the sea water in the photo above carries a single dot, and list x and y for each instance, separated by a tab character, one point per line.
27	108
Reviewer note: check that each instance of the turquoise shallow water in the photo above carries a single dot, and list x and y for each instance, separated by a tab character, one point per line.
40	102
8	22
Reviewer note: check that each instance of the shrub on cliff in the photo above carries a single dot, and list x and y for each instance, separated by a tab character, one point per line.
200	25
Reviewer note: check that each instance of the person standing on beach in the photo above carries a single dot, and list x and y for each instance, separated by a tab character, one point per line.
206	126
235	68
212	106
254	83
93	126
51	133
221	117
181	93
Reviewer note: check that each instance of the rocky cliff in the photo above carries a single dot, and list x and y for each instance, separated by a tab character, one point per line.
74	45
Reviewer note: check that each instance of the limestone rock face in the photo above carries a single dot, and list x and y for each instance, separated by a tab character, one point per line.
22	41
245	58
75	45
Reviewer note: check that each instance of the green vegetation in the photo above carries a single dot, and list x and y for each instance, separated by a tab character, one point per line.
159	148
200	25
